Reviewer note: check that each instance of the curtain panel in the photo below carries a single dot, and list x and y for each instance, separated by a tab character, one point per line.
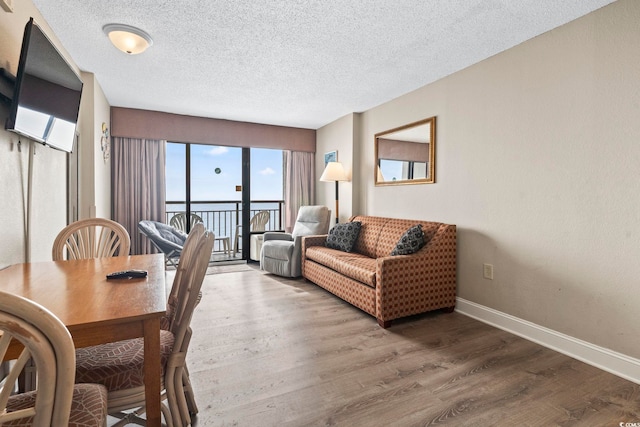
138	186
299	184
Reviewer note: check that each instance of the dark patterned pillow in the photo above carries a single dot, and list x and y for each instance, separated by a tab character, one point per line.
411	241
344	236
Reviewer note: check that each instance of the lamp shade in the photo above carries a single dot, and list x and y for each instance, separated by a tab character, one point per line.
333	172
130	40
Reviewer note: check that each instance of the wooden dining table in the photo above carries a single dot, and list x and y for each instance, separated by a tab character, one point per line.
97	310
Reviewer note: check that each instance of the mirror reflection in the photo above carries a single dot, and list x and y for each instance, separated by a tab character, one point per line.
406	155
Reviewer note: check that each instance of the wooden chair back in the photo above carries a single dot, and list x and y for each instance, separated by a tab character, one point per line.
91	238
48	343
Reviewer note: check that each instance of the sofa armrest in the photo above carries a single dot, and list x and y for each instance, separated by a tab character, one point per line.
406	284
308	241
317	240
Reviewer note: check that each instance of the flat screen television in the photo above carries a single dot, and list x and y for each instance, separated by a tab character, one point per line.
46	97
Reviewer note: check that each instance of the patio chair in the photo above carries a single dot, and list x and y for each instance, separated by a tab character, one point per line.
258	223
56	401
179	221
91	238
166	238
119	366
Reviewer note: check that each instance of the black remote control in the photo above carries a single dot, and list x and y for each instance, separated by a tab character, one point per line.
127	274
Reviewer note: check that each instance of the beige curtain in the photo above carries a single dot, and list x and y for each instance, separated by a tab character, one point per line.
138	190
299	184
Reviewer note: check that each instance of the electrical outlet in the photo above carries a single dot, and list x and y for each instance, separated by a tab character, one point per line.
7	5
487	271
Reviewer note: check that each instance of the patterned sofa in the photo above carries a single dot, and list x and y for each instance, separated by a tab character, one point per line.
387	287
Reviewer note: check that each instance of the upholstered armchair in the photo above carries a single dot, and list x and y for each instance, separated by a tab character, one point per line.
281	252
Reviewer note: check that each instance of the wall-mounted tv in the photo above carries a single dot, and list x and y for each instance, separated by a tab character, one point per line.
46	97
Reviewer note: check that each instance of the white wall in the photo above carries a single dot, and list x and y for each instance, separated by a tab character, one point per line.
537	160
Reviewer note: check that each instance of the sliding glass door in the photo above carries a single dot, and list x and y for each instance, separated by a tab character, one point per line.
224	187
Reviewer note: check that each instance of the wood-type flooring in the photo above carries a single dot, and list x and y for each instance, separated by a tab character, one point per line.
268	351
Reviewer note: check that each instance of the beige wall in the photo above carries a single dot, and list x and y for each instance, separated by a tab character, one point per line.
49	167
102	167
538	153
340	136
95	172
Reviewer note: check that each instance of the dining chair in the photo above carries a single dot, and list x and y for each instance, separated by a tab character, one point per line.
91	238
56	401
172	301
258	223
119	366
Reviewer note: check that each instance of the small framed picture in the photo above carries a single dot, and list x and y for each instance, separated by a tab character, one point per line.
331	156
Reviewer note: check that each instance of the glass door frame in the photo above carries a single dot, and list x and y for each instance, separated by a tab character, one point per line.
245	218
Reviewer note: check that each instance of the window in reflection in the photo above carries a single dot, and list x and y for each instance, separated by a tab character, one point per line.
399	170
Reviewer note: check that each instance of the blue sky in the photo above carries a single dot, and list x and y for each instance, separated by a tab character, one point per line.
207	184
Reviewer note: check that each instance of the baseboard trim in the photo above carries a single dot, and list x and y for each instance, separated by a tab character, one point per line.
608	360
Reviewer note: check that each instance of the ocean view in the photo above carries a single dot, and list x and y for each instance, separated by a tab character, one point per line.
222	217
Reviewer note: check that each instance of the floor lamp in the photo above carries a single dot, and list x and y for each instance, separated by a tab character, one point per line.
334	172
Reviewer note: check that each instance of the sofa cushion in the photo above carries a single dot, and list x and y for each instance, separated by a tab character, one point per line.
356	266
343	236
369	234
411	241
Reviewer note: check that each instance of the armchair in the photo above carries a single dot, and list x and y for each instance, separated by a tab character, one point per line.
281	252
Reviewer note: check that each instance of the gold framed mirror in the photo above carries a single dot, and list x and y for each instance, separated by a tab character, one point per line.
406	155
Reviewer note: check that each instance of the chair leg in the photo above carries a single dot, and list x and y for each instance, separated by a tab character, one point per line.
181	401
235	246
188	392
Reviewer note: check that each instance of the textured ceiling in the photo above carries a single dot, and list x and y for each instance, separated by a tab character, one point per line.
301	63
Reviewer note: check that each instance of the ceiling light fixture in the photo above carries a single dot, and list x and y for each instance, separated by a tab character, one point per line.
130	40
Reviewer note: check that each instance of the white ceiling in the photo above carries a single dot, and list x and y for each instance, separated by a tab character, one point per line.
301	63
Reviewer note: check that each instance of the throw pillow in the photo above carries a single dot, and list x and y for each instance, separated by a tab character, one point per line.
411	241
344	236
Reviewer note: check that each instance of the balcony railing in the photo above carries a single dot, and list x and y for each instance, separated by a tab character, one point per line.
222	216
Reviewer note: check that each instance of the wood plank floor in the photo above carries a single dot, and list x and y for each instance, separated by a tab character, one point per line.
268	351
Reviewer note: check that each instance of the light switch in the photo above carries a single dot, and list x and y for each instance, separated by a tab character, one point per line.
487	271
